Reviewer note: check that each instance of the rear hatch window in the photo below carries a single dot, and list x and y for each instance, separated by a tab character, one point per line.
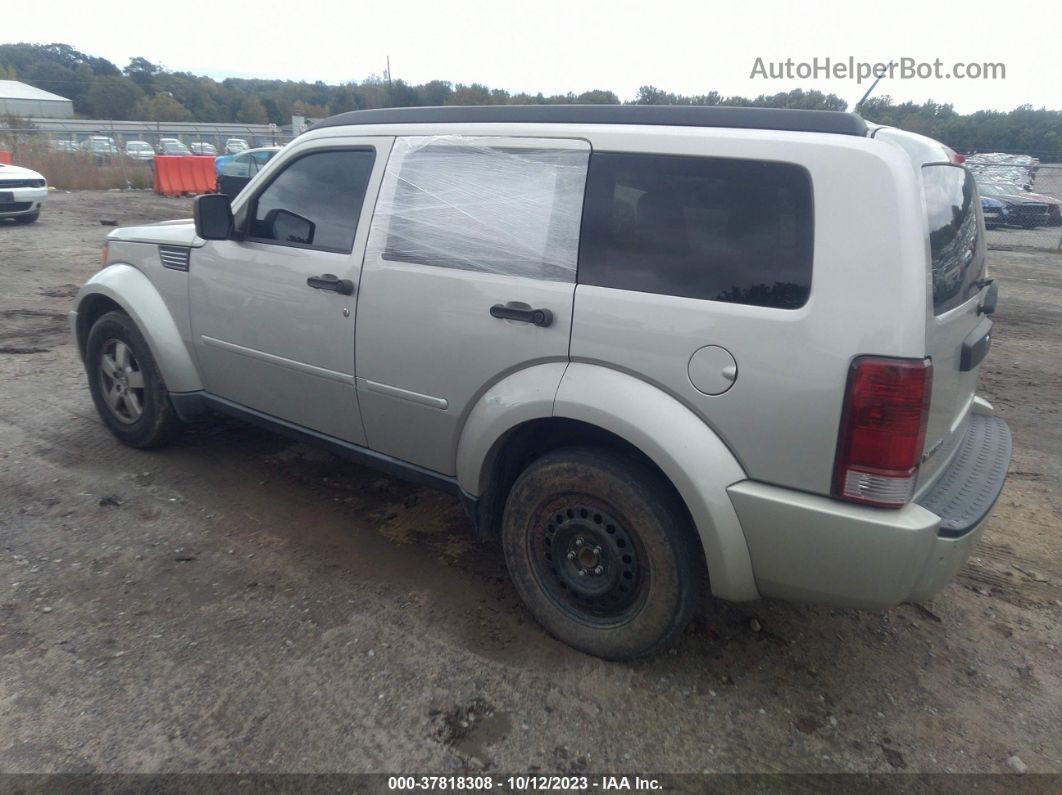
954	235
957	264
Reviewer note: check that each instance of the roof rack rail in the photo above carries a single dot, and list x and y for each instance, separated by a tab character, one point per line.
822	121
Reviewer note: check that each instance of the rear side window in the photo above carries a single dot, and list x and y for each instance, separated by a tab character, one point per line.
497	205
716	229
956	247
315	201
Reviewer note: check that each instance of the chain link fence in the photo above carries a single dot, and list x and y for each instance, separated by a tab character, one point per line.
77	154
77	132
1021	200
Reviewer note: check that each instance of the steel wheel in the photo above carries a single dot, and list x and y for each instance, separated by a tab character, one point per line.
587	561
601	551
121	381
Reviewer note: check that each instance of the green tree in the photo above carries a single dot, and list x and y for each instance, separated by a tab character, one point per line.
598	97
142	72
113	97
162	107
252	111
434	92
474	94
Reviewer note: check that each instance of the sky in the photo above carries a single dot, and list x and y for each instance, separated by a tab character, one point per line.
556	47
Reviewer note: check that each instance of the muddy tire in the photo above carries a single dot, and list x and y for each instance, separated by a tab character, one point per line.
126	386
602	552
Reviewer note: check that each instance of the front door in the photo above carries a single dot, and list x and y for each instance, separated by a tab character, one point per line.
469	276
273	314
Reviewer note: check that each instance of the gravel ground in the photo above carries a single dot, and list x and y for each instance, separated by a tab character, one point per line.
242	603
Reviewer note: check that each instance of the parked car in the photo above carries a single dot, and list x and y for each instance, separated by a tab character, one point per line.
199	148
1054	206
995	212
642	344
233	146
1017	170
102	148
235	171
22	192
139	150
60	145
993	186
173	147
1021	210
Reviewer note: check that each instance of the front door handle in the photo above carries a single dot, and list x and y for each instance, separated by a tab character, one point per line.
540	317
329	281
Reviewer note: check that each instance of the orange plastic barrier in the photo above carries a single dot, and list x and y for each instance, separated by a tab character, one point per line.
5	156
175	176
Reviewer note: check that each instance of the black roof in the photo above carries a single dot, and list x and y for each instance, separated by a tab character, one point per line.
825	121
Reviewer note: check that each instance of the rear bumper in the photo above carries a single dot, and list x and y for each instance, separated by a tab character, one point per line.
810	548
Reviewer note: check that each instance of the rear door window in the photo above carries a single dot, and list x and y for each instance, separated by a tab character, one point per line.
717	229
499	205
956	248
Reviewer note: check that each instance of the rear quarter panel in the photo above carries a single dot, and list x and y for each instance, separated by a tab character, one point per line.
781	417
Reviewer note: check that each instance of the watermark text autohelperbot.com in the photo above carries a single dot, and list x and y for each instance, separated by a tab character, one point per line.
901	68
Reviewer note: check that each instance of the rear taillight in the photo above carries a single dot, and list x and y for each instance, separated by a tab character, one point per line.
883	429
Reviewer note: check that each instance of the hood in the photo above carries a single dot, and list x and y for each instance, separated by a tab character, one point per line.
17	172
1039	197
1010	198
989	202
180	232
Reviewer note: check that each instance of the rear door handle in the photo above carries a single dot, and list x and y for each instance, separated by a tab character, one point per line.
329	281
539	317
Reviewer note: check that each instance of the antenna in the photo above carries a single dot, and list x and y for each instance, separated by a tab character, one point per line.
870	90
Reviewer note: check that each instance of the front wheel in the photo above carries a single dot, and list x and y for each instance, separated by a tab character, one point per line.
30	218
126	385
602	552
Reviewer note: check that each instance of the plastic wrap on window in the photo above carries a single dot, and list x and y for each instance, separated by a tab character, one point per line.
497	205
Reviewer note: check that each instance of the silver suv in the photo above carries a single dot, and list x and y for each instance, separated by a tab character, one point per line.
652	349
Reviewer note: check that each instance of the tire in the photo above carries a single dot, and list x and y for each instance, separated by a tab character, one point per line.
28	219
139	416
615	519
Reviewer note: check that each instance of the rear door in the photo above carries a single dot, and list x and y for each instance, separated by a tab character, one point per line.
470	237
957	337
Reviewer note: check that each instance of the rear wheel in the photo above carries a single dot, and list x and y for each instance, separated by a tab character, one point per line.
126	385
601	552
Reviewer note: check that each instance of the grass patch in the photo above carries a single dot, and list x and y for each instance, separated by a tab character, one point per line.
78	170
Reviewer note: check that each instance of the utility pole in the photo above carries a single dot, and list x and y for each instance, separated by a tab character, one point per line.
388	72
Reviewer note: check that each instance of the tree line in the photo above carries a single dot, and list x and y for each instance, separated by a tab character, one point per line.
146	91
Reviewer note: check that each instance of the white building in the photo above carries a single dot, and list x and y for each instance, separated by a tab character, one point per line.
19	99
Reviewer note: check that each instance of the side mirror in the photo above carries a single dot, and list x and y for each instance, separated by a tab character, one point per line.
288	227
213	216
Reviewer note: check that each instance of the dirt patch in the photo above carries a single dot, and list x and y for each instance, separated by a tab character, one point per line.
31	330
